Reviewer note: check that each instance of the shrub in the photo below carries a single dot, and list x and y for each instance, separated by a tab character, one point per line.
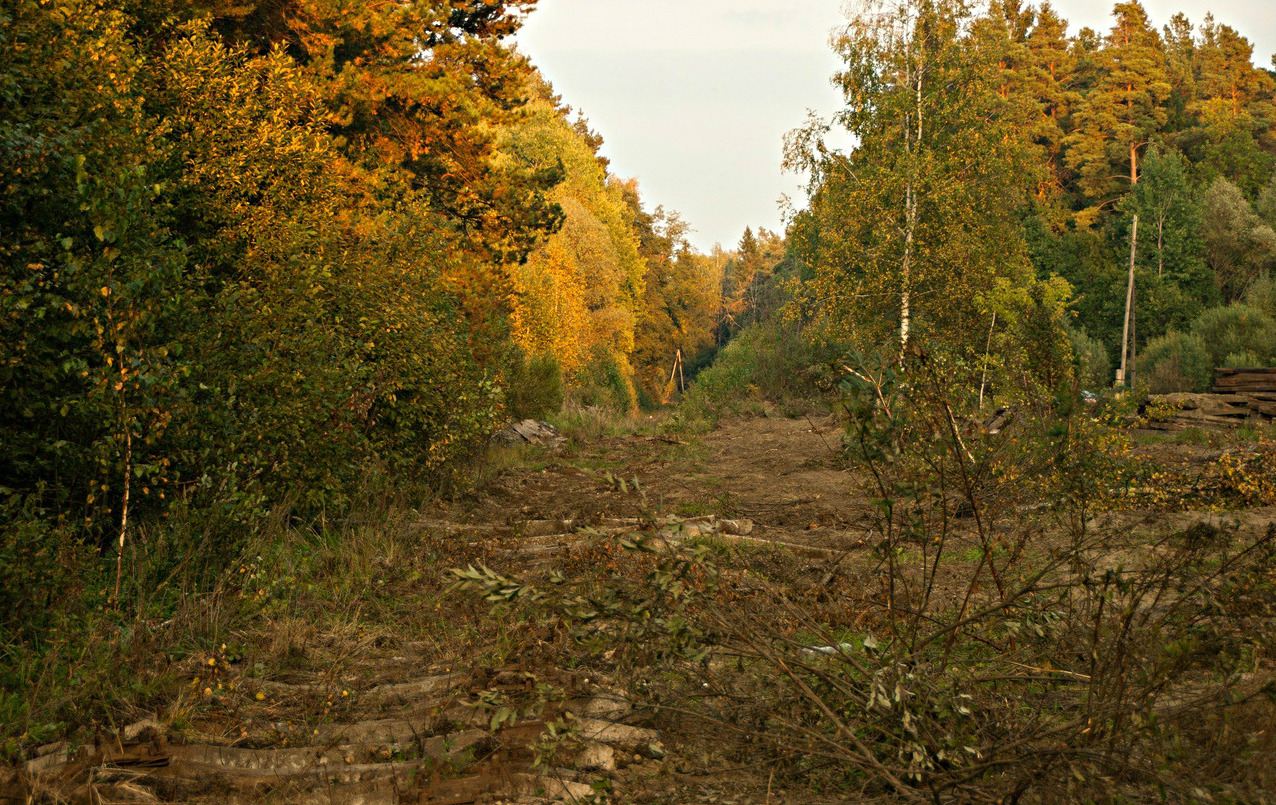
768	360
1236	329
533	387
1094	367
1241	360
605	382
1262	295
1176	362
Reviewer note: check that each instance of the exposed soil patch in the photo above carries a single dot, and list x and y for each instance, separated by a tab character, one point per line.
783	474
398	697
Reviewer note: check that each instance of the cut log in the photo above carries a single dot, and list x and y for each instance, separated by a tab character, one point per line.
1263	408
1207	405
1250	379
1216	411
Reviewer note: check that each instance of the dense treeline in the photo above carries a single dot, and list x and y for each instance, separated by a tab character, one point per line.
254	251
238	250
1006	175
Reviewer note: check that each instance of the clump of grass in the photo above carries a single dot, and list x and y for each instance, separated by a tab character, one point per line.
590	422
98	663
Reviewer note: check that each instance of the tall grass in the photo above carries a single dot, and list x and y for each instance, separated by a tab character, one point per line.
190	582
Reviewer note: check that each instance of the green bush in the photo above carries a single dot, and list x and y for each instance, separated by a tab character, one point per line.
1176	362
1235	330
605	382
533	387
770	361
1094	367
1262	294
1241	360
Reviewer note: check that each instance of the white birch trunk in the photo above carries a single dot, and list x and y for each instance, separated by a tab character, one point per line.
911	146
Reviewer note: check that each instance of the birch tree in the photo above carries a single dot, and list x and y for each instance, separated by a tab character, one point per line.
917	223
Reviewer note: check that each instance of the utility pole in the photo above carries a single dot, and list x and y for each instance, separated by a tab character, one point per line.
1125	374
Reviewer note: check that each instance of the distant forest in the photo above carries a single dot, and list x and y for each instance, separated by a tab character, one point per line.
998	157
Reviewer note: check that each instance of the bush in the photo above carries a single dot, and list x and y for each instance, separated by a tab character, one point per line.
1262	295
1176	362
605	382
533	387
1094	367
1236	329
766	361
1241	360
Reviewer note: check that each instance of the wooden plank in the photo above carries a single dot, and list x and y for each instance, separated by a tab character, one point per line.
1263	408
1253	388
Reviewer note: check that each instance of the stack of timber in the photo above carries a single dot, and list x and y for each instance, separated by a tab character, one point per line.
1212	410
1245	381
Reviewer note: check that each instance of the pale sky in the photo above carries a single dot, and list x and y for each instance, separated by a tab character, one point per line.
693	97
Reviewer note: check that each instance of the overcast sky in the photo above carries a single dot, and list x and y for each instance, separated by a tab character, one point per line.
693	97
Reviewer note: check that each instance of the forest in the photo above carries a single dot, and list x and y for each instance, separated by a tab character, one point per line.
274	270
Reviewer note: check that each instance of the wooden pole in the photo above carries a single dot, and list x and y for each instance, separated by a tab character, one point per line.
1126	371
1122	374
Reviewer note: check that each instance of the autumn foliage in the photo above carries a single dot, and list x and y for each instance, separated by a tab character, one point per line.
256	251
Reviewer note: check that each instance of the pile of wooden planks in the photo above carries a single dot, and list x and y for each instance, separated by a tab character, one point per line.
1213	410
1244	381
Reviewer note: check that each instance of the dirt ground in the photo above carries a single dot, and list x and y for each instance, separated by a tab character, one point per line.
373	697
380	700
783	474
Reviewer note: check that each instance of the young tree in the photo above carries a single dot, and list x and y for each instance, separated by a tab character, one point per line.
1164	200
1239	245
917	225
1266	206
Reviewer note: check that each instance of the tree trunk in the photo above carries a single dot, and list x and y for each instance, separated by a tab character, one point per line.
910	210
1160	246
905	294
1134	343
983	381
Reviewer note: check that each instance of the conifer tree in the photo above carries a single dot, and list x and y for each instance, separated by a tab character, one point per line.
1049	78
1231	111
1123	111
1117	118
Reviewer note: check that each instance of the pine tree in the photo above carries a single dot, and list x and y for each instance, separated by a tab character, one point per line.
1119	117
1231	111
1049	79
1123	111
